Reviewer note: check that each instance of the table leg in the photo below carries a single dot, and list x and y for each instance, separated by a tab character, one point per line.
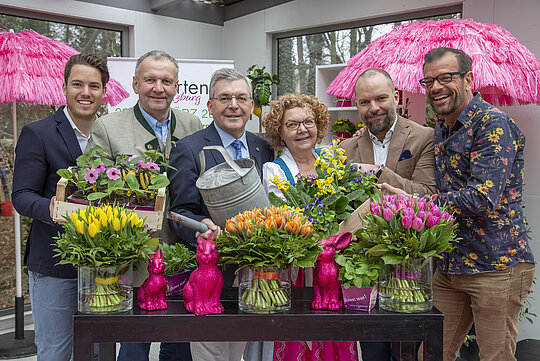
83	349
433	342
407	351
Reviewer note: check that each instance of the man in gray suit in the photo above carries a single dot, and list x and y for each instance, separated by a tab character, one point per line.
150	124
397	149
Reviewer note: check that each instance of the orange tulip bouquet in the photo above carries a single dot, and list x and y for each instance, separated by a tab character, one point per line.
268	240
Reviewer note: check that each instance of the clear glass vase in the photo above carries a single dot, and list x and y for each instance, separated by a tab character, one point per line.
264	290
105	289
407	287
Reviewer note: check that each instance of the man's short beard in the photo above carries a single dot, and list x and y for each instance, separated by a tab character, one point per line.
376	128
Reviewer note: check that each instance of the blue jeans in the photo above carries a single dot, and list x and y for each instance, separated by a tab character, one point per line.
178	351
53	301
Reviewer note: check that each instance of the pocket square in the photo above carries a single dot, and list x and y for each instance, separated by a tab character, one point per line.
405	155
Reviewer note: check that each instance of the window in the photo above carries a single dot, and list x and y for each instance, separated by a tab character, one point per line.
299	54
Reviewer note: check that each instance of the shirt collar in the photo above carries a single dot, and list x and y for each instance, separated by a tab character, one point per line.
153	121
387	136
73	125
227	139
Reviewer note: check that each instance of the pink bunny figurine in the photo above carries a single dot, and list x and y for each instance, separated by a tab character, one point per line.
203	289
326	285
151	294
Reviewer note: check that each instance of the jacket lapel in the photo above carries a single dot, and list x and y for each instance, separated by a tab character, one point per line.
211	137
401	132
364	151
67	133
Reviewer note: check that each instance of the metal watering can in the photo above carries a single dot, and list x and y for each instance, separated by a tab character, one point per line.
231	187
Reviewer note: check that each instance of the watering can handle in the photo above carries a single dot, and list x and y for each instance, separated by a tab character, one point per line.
225	155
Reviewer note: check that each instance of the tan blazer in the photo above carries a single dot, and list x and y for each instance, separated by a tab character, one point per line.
409	165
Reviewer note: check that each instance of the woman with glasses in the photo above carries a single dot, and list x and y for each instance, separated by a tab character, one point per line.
294	124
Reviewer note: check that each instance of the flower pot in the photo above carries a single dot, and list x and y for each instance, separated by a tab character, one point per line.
264	291
407	287
360	299
105	289
343	135
7	209
343	103
176	283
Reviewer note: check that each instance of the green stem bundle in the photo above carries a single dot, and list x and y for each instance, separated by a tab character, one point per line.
404	295
266	296
106	297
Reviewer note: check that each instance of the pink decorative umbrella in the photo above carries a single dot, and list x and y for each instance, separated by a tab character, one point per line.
32	70
506	72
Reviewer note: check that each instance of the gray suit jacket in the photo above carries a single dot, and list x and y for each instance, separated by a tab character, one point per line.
410	163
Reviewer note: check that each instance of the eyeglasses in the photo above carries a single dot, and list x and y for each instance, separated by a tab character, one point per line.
308	123
227	99
443	78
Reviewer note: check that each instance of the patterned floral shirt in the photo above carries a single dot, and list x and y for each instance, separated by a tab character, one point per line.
479	166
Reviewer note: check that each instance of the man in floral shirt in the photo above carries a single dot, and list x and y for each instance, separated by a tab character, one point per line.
479	166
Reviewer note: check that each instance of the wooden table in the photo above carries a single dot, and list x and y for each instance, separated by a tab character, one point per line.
301	323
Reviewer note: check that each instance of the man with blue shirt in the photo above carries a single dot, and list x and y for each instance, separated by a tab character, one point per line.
150	124
230	105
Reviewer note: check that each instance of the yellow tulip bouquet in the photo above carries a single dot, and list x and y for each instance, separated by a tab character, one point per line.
104	237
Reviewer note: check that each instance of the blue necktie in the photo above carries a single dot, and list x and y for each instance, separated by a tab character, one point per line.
237	145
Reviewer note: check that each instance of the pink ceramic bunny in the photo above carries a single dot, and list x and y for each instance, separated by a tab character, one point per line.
202	290
326	285
152	291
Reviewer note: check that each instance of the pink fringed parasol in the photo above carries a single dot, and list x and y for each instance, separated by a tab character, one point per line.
506	72
32	70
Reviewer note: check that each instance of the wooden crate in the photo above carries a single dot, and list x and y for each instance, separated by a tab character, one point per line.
154	219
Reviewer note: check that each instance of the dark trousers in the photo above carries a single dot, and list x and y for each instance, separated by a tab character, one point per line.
178	351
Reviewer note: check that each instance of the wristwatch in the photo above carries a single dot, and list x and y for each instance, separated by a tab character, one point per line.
379	172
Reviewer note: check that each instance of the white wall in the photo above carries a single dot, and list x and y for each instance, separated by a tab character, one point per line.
246	41
180	38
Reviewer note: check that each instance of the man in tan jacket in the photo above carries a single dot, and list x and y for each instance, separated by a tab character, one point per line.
398	150
150	124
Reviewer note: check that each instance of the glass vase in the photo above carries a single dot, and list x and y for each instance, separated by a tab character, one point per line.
407	287
265	290
105	289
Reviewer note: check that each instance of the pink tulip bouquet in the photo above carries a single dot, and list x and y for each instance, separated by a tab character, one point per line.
399	227
403	233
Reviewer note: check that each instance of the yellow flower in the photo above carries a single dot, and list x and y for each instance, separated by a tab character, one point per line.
473	255
493	138
80	226
483	189
116	224
74	217
489	183
504	259
499	131
469	262
93	228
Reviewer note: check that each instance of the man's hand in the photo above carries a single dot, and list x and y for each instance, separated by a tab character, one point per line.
212	228
359	132
364	167
391	190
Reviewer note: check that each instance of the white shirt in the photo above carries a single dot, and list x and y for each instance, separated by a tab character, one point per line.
380	149
81	137
227	139
271	169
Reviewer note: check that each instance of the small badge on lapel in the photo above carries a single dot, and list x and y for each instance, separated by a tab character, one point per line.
406	154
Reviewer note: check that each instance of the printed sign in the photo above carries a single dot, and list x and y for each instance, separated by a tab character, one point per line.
193	79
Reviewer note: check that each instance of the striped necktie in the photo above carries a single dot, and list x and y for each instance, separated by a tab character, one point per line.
237	145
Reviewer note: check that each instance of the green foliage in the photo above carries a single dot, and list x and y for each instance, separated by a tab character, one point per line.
357	267
345	125
261	81
177	258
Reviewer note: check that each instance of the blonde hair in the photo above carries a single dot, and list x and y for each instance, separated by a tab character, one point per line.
273	119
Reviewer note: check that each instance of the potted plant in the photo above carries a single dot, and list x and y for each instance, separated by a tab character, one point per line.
358	275
135	182
344	128
267	241
405	233
261	82
103	243
331	196
179	261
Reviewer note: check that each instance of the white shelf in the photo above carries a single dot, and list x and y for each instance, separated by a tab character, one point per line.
341	109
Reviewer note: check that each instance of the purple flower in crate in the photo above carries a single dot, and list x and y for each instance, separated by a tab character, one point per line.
375	208
101	167
432	220
113	173
91	175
